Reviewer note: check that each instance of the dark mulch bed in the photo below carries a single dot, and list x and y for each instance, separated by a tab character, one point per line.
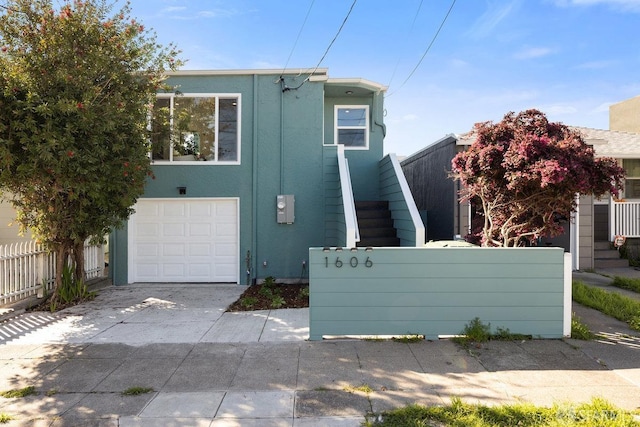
267	297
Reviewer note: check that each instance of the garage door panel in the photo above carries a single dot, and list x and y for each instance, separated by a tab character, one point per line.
225	230
200	230
170	269
146	250
200	270
200	210
173	230
173	209
185	240
226	249
200	249
147	209
174	249
147	270
226	208
147	230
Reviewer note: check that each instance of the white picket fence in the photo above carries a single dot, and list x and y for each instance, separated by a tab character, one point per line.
26	269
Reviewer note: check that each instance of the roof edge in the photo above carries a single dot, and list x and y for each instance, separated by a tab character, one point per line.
358	82
248	72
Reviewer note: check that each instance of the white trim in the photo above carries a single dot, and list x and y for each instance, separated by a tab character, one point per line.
217	96
411	204
567	303
574	231
131	227
358	82
348	203
248	72
367	126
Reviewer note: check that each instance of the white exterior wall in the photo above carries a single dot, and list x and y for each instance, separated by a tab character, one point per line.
8	227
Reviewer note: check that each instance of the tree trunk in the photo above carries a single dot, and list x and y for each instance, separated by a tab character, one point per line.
62	256
78	258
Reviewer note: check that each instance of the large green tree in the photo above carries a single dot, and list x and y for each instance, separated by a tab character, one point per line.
76	84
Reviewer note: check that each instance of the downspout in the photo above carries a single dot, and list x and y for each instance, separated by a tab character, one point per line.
254	183
282	139
377	114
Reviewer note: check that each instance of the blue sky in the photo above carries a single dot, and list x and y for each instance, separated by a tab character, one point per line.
569	58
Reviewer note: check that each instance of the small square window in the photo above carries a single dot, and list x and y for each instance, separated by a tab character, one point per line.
352	126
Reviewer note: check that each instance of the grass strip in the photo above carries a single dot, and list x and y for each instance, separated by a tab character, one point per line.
598	412
627	283
610	303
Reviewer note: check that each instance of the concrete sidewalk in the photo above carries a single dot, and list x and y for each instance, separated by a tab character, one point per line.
211	368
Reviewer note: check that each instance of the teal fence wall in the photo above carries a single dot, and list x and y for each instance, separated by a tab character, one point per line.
437	291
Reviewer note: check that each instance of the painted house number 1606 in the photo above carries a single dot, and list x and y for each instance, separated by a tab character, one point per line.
353	262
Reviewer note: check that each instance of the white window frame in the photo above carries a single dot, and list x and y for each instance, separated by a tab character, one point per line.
217	96
629	177
366	127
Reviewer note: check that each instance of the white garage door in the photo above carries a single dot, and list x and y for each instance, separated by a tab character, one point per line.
185	240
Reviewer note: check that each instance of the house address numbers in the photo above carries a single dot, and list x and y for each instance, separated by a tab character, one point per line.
353	262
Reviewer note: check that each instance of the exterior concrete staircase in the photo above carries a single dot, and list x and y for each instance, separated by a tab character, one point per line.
375	224
605	257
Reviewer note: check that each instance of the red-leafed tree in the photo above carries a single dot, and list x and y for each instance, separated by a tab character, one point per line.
524	172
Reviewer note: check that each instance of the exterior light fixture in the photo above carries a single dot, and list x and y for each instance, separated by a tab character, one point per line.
369	249
354	249
338	249
349	92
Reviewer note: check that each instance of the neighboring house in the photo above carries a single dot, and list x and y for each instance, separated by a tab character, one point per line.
436	195
625	115
253	167
9	227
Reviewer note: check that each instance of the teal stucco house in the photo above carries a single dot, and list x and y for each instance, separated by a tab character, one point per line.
254	167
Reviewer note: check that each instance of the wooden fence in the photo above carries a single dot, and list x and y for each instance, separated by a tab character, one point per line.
26	269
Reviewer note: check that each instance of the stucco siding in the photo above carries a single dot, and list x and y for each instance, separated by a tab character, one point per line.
283	151
625	116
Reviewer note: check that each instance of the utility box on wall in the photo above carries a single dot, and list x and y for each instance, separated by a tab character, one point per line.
285	205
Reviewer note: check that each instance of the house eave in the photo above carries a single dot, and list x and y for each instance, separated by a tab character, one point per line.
320	73
357	83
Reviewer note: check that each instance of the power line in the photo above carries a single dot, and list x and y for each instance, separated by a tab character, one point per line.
435	36
344	21
415	17
298	37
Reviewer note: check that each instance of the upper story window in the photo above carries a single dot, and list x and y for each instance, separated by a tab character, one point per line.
632	181
352	126
196	128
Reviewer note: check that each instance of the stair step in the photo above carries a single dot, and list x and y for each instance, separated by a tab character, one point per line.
606	254
377	232
601	245
372	205
372	213
375	222
378	241
610	263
